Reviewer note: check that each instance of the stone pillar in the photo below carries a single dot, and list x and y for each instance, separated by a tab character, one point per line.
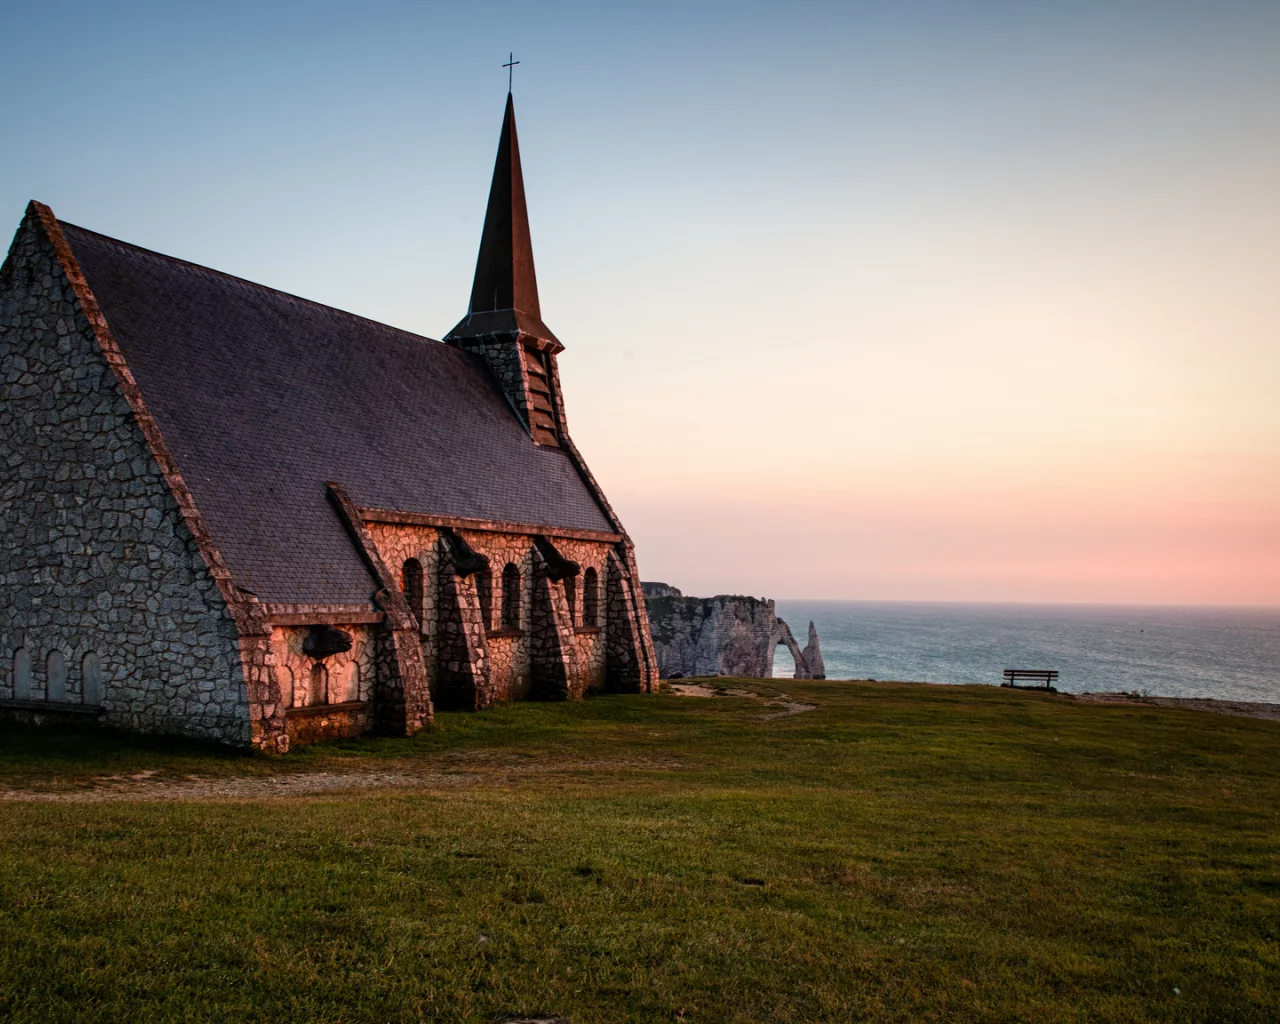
626	662
402	700
813	655
464	680
556	670
267	728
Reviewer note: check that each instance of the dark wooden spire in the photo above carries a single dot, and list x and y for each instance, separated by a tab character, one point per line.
504	297
505	278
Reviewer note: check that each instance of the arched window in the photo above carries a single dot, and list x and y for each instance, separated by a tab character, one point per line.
284	679
22	674
319	685
484	587
411	583
571	597
346	684
590	598
56	676
91	680
510	597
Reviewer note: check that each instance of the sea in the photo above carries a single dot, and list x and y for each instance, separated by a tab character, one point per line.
1223	653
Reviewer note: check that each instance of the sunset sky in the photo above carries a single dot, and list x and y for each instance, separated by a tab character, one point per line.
927	301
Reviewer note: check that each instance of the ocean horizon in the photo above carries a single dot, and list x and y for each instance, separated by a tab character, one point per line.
1161	650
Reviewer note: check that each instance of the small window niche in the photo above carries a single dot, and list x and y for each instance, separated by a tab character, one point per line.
22	684
319	690
411	583
56	677
511	597
91	680
590	598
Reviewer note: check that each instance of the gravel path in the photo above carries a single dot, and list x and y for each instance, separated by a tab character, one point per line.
782	700
149	785
448	773
143	786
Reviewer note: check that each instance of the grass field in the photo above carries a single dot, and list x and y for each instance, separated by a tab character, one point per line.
899	853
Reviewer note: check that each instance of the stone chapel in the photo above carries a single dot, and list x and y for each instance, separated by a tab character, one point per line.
231	513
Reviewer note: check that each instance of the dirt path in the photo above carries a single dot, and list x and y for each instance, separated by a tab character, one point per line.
446	771
782	700
452	770
144	786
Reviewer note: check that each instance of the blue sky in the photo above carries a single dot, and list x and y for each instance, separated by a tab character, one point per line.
853	280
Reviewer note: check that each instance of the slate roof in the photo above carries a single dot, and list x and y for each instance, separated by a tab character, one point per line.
263	396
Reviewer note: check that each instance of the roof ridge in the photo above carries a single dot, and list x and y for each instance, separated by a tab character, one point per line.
192	266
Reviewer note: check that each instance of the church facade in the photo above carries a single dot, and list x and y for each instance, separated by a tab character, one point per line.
230	513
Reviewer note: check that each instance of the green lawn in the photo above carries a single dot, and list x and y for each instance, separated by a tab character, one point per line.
900	853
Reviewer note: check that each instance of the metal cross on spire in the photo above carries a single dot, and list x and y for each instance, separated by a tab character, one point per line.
510	66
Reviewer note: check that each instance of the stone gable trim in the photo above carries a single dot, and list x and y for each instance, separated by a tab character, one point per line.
266	714
245	610
383	515
404	705
389	595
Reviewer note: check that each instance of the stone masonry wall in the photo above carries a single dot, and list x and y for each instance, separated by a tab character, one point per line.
319	704
349	675
397	544
509	654
95	556
589	640
502	353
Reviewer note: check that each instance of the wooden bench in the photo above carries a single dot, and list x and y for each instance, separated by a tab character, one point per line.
1044	678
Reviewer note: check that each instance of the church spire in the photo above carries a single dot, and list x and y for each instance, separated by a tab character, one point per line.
504	322
505	278
504	296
